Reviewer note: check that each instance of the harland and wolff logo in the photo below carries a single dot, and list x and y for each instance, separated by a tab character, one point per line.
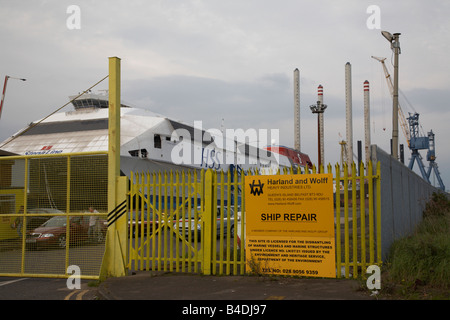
256	189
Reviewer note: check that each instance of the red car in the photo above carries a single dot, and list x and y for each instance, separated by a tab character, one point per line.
52	233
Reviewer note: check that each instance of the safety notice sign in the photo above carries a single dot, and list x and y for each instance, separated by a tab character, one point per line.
290	224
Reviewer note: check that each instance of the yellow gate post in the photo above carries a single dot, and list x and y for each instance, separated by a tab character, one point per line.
114	261
207	222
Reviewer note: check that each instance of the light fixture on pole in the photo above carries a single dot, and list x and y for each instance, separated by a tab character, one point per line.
395	46
319	108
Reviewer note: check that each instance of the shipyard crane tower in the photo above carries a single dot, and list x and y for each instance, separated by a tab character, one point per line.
401	116
417	143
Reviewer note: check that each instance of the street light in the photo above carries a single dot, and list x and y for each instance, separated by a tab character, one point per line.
395	46
389	37
319	108
4	91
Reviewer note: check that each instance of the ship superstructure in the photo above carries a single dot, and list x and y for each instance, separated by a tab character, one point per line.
149	141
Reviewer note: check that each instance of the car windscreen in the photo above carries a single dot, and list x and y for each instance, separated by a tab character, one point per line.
56	222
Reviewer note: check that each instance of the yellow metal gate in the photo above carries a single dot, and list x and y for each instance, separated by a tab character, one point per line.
161	204
53	214
186	222
194	221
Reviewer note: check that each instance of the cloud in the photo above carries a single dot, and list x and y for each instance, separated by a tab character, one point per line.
240	103
232	60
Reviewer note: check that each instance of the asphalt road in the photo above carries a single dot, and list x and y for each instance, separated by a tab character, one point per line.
12	288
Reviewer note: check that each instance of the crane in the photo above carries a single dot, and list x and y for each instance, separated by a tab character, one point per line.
417	143
413	138
344	157
401	116
4	91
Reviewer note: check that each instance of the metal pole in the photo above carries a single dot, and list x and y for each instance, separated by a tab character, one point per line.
319	145
115	249
319	108
348	113
3	95
297	109
367	121
359	146
396	47
4	91
114	127
321	127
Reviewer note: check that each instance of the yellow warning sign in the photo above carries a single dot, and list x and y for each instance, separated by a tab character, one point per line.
290	224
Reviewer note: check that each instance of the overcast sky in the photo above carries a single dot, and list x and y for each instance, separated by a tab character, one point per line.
233	60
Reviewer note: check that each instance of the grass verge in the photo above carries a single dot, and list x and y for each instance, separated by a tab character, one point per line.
419	265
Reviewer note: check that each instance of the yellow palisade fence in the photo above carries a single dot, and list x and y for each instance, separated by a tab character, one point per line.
360	212
194	221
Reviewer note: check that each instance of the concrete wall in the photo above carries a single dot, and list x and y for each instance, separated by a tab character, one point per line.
403	198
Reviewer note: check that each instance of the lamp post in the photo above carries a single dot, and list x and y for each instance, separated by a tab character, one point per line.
395	46
319	108
4	91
